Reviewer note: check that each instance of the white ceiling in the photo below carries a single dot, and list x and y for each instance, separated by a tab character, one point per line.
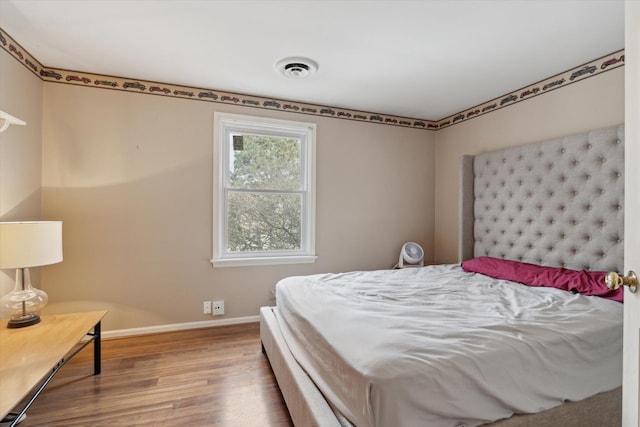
421	59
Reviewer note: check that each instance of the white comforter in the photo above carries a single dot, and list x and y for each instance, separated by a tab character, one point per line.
436	346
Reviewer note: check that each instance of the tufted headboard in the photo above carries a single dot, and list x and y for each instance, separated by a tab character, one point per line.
556	203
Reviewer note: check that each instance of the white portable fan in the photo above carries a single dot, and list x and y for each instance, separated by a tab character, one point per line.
411	255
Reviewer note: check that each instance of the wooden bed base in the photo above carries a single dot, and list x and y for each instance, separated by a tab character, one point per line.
308	408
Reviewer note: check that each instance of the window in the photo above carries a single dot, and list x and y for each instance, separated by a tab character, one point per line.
264	191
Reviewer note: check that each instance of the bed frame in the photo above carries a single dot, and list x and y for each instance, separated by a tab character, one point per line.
557	203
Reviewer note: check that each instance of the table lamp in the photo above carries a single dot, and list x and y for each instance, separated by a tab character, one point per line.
24	245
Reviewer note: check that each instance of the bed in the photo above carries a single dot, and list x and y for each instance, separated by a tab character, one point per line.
484	351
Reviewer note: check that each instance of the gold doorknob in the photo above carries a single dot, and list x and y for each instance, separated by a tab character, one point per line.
614	281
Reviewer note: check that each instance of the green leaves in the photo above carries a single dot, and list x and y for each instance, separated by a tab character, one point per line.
264	200
266	163
264	222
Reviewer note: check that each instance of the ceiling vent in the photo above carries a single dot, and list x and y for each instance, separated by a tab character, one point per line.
296	68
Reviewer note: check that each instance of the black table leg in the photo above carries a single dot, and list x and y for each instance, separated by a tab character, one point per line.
97	368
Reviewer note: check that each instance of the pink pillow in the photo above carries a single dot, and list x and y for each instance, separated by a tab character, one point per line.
584	282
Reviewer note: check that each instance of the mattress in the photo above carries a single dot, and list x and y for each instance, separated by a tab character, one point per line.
441	347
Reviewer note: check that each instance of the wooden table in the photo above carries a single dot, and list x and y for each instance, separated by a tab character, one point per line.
31	356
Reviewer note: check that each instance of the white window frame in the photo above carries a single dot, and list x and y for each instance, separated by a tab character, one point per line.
224	125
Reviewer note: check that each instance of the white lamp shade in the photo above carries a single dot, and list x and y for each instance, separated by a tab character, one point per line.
30	244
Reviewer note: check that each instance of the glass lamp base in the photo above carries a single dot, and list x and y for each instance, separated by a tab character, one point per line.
23	304
23	321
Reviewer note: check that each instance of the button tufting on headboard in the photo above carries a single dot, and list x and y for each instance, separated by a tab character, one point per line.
556	203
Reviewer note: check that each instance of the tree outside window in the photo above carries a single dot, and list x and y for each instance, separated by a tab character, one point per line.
269	219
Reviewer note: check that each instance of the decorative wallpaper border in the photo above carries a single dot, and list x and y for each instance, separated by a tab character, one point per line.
573	75
590	69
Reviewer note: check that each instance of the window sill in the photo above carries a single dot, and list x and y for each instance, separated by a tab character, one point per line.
244	262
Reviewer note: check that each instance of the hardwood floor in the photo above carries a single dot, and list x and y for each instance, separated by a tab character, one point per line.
203	377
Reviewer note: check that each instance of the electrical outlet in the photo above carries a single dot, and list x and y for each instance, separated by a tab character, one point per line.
206	307
218	308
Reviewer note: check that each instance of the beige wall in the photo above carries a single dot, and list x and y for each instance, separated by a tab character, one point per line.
20	150
590	104
130	175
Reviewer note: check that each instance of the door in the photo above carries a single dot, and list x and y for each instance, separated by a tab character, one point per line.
631	359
